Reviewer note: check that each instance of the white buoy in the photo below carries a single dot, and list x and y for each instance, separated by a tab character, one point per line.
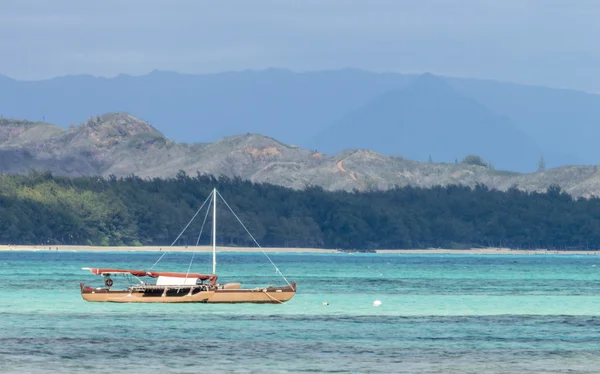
325	303
376	303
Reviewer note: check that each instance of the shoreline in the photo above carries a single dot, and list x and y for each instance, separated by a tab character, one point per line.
200	249
208	249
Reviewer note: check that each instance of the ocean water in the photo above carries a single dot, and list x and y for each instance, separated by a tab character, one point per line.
439	314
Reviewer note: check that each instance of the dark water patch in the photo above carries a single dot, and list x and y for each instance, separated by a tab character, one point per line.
153	317
289	361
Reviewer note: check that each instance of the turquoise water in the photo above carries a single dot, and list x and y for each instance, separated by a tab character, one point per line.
439	314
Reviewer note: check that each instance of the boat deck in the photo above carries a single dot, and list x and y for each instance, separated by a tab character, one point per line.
163	286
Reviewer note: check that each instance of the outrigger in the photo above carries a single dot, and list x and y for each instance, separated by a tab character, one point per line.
186	287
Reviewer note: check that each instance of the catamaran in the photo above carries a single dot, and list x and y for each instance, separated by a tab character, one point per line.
173	287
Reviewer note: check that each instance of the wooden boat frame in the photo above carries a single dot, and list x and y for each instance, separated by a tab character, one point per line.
189	294
148	294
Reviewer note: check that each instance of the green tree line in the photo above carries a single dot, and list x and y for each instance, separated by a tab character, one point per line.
40	208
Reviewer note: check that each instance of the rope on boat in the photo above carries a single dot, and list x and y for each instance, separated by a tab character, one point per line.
198	241
271	297
182	231
255	242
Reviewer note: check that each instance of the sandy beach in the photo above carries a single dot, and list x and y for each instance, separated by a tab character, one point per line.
486	251
83	248
477	251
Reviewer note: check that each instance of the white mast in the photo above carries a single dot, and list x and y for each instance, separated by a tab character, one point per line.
214	231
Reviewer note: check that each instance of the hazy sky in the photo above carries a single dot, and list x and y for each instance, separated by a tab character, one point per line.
548	42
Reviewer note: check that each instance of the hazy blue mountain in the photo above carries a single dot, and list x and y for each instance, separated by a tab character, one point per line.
429	118
295	107
561	121
193	108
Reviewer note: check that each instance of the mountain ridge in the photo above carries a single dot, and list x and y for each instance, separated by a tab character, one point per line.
120	144
428	118
295	106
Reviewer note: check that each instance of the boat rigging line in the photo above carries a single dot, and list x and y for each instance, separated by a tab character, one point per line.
199	235
185	228
212	197
255	242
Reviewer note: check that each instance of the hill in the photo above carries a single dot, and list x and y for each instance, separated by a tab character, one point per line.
22	132
120	144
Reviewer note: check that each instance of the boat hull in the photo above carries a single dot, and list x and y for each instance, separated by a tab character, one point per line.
126	296
269	295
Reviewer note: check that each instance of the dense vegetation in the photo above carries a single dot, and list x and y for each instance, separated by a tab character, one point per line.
44	209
